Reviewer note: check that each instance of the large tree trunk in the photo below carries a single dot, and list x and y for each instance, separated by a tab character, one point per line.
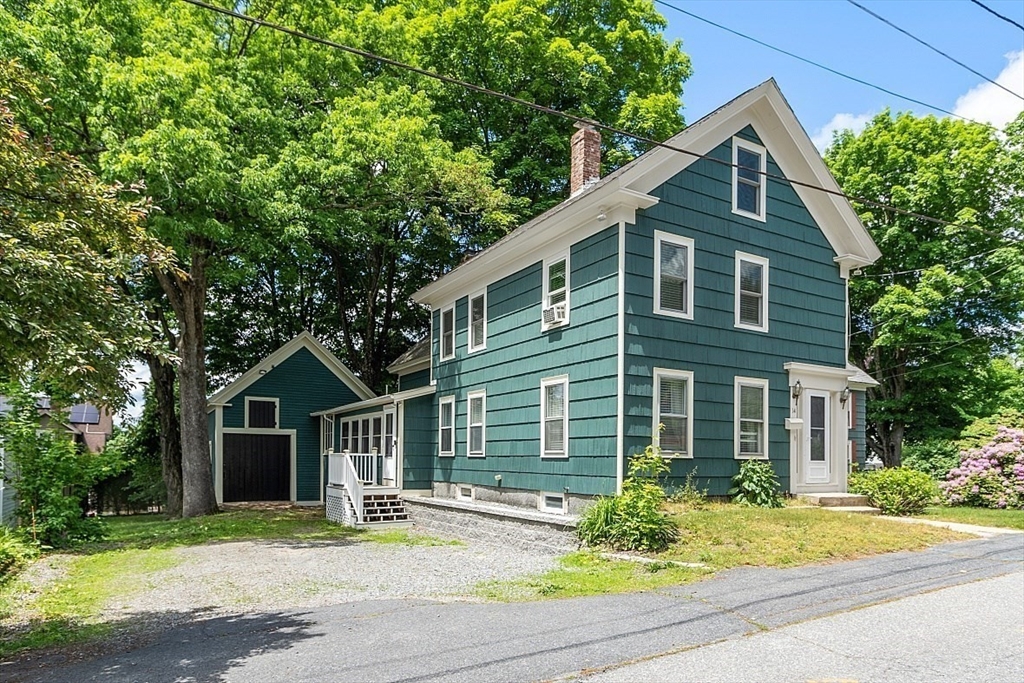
187	293
162	376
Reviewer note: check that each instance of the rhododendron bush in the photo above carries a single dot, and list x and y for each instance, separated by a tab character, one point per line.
991	476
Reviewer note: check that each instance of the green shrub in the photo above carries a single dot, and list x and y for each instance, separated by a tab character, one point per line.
895	490
15	552
634	519
934	457
689	495
757	485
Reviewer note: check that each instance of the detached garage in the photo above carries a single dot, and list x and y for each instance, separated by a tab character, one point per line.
264	446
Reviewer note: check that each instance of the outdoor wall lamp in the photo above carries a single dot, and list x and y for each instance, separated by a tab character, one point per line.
844	396
797	390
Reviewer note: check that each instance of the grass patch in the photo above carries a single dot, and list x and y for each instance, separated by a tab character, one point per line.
149	531
404	537
68	610
1007	519
725	536
586	573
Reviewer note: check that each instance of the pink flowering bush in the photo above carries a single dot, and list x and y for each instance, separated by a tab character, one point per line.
991	476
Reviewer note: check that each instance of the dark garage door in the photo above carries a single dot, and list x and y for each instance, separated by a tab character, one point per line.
257	467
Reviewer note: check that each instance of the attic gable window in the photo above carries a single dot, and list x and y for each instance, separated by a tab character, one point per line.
448	333
555	307
673	275
751	292
748	180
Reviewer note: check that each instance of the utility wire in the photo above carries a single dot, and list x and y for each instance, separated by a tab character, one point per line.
951	263
818	65
932	47
571	117
992	11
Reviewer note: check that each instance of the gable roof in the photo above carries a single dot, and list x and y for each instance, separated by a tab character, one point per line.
620	194
417	357
304	340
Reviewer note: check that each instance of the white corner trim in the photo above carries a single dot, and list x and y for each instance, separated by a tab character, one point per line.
620	373
218	448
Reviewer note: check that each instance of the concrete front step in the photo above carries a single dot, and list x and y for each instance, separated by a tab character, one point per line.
833	500
398	524
853	509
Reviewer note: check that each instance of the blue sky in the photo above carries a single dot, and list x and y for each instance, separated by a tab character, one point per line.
839	35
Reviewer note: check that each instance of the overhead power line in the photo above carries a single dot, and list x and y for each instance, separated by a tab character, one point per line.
565	115
993	12
818	65
932	47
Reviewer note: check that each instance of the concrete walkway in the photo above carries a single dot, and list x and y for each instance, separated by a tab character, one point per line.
413	640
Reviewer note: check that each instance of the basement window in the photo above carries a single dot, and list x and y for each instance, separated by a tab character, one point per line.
554	503
464	492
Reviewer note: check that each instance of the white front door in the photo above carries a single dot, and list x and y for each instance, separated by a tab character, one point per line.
390	475
817	437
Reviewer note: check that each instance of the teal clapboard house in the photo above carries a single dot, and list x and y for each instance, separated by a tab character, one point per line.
694	300
701	292
264	444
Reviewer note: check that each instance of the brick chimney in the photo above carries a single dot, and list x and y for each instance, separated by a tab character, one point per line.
586	158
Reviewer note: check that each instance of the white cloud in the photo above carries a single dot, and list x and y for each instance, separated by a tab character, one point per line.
987	103
822	138
139	378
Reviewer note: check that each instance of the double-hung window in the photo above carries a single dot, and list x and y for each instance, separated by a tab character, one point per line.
751	414
448	333
554	413
477	411
478	321
673	275
748	179
555	307
446	427
751	292
673	410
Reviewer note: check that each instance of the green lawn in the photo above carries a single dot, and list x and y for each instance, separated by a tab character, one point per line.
1009	519
723	536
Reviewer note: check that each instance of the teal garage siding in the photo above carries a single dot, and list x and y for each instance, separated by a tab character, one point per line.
517	357
806	312
420	445
303	385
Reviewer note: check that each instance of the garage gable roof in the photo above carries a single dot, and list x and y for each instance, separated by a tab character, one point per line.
304	340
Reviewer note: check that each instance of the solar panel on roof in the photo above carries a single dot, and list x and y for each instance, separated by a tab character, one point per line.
85	413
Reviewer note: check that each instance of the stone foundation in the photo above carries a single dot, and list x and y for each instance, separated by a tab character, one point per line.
496	524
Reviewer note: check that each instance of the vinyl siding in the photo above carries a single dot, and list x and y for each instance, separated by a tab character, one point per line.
414	380
517	357
420	447
303	385
806	312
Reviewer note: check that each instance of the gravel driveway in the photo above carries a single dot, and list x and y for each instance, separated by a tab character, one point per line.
264	576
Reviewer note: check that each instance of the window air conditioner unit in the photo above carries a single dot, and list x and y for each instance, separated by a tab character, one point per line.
554	315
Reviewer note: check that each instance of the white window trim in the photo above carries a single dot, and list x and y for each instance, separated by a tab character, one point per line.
679	241
469	317
459	495
544	384
482	395
440	425
542	499
751	382
763	262
328	437
659	373
440	346
561	256
266	399
737	145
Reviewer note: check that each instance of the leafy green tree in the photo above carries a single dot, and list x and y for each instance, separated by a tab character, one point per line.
606	60
67	242
927	318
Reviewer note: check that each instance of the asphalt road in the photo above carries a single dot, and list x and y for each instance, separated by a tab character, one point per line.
405	640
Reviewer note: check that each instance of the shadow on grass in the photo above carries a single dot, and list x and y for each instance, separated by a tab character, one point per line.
147	646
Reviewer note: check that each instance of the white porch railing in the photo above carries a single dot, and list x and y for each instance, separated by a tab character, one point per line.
353	471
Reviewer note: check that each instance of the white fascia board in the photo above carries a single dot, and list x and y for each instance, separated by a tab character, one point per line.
818	376
349	407
603	206
302	340
406	368
414	393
